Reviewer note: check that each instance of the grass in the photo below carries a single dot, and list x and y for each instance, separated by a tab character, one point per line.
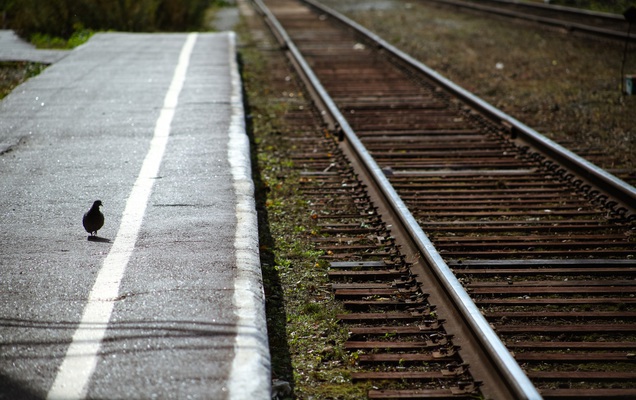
60	23
305	336
46	41
15	72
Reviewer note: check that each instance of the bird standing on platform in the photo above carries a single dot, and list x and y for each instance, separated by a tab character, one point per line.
93	219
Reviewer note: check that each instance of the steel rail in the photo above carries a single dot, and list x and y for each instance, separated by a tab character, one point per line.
569	25
600	183
563	9
511	374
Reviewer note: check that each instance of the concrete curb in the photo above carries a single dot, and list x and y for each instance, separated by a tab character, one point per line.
250	375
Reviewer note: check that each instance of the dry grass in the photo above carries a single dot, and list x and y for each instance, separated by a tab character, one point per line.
567	87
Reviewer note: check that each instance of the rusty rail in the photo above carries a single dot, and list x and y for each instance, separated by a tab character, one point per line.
500	363
594	180
610	26
520	231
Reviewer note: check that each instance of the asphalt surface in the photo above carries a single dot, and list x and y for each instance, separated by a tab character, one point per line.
188	319
12	48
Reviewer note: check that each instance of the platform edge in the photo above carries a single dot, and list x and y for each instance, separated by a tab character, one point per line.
250	375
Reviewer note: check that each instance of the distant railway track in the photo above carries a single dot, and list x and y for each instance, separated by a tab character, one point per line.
605	25
525	237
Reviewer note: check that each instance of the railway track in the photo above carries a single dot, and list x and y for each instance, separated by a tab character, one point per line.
541	241
606	25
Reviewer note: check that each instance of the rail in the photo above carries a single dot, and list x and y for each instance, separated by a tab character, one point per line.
609	19
504	365
598	181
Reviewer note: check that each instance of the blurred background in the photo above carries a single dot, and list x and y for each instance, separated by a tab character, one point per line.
59	23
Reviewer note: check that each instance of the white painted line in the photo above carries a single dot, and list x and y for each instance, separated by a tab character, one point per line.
250	376
81	357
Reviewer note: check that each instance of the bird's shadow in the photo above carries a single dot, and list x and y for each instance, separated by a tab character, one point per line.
98	239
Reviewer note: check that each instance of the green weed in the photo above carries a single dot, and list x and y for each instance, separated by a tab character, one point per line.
305	336
14	73
59	18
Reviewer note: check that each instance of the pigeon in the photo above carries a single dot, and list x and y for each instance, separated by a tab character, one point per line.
94	219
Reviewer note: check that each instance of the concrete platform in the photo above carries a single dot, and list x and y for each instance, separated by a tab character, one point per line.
168	301
12	48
